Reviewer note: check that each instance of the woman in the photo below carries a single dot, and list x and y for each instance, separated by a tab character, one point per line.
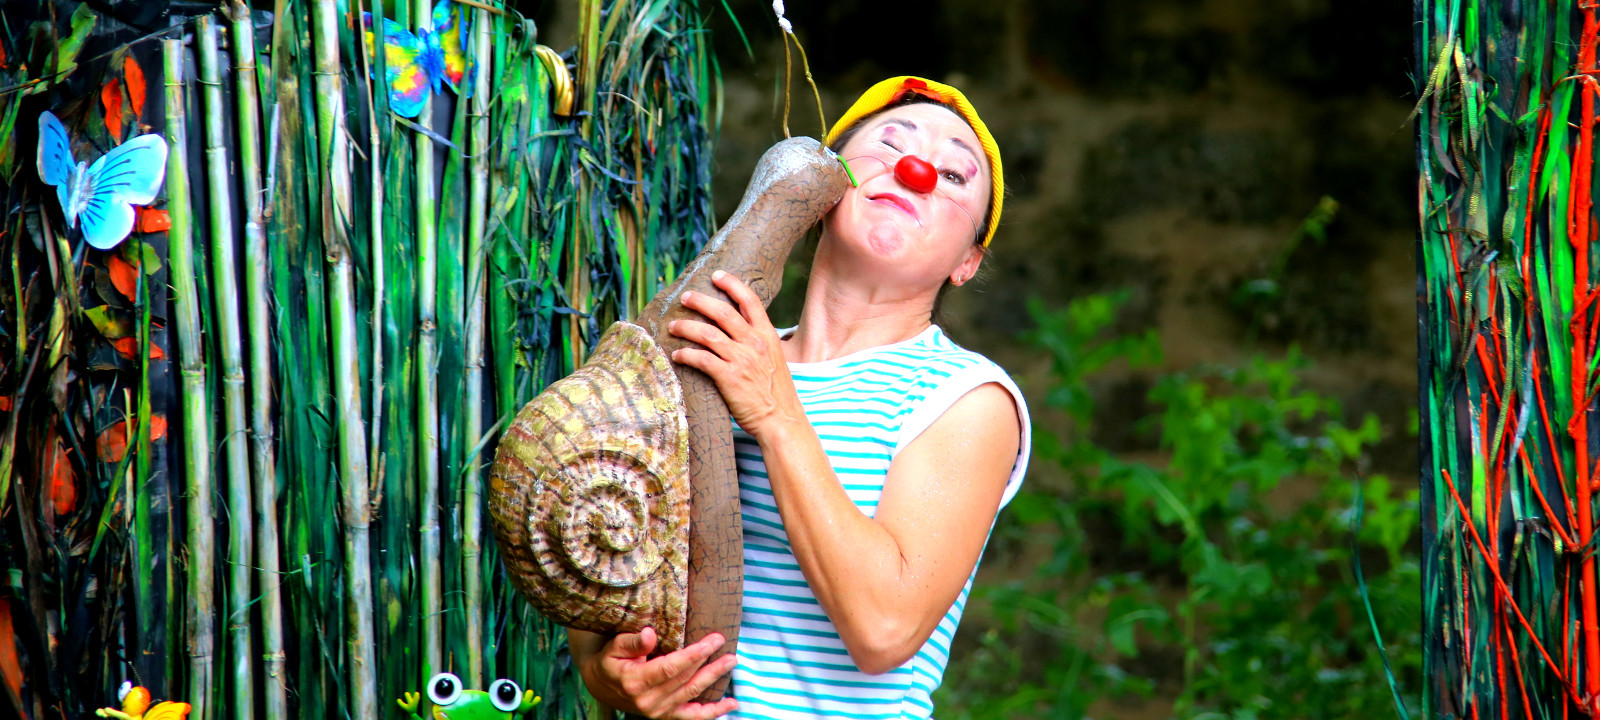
873	453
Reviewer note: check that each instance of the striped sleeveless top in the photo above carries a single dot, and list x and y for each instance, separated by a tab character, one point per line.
865	407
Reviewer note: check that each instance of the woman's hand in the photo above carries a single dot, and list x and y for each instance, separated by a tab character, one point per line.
622	676
742	354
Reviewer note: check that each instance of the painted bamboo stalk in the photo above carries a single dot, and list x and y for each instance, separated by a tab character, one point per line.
145	546
263	457
502	310
397	573
472	405
230	342
334	152
375	220
501	338
427	381
1582	239
196	409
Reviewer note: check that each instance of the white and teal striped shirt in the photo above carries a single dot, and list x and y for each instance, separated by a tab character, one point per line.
866	407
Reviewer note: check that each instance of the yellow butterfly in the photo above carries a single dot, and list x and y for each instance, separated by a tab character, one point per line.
136	706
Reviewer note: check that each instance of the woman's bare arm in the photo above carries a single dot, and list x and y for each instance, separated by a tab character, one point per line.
886	581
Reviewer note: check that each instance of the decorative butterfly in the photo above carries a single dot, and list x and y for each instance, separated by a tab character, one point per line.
100	197
416	65
136	706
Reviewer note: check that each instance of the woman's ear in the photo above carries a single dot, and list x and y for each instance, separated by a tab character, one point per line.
968	267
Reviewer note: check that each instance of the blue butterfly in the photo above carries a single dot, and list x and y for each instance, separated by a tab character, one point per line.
100	197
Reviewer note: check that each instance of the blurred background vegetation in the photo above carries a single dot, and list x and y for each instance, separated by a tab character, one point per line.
1204	283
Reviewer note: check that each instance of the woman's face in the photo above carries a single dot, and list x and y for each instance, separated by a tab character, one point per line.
885	227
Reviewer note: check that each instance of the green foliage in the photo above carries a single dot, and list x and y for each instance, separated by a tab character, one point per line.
1212	568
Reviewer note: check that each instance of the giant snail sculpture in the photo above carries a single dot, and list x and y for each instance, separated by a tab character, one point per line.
614	496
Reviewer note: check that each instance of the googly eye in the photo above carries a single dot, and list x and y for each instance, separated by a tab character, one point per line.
444	689
505	695
122	692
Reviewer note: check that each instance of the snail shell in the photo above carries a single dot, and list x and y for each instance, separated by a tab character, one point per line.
589	493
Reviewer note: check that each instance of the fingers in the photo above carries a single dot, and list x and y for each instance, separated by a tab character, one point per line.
703	360
720	312
663	669
703	678
750	305
708	336
634	645
703	711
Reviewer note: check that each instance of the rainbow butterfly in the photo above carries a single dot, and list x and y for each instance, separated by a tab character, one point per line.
100	197
417	64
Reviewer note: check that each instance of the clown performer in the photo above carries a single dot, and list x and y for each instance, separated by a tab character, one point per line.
873	452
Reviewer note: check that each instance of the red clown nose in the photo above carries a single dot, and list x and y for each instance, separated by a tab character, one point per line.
916	173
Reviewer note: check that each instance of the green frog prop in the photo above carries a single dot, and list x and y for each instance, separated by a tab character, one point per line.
504	701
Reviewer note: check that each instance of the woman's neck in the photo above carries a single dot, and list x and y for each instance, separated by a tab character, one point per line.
840	318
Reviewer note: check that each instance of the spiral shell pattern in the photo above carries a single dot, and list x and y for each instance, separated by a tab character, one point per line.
589	493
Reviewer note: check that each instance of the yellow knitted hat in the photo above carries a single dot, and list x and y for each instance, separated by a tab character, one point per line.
881	95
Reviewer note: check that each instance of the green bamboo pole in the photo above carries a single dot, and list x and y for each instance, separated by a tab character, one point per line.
263	458
472	405
145	555
427	384
230	341
375	220
310	535
196	410
501	314
397	583
332	138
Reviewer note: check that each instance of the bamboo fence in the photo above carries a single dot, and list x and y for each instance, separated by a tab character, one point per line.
1508	365
335	310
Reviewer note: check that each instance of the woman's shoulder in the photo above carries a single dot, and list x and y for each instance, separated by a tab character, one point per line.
953	372
939	351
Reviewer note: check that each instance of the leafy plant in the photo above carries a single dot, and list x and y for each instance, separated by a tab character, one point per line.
1212	568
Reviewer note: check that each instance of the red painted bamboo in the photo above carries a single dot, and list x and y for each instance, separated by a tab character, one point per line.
1581	210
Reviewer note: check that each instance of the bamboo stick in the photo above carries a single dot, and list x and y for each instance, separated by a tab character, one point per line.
502	337
144	543
263	458
332	139
196	410
375	220
225	294
427	382
502	309
472	405
397	580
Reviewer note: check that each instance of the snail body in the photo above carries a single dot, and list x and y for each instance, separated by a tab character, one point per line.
581	438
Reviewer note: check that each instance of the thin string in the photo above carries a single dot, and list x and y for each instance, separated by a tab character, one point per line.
821	118
786	73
